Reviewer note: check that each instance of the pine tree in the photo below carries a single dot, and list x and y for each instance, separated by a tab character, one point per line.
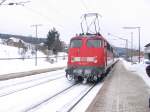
53	42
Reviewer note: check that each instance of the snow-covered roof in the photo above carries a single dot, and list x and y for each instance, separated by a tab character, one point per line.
15	39
41	43
147	45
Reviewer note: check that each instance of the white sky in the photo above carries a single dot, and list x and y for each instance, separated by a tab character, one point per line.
65	15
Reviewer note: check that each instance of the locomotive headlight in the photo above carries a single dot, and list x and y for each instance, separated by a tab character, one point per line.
75	59
95	59
92	59
72	59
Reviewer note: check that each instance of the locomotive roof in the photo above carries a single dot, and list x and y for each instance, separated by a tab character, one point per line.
89	36
98	35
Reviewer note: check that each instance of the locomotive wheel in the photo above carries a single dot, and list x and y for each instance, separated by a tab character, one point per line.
79	78
95	78
69	77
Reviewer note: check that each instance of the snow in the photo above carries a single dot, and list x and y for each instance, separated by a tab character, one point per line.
138	69
64	99
8	52
88	99
15	39
18	65
27	98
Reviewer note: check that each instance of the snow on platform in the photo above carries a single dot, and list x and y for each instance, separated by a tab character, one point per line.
123	91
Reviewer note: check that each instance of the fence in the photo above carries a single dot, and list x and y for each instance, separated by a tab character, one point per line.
50	59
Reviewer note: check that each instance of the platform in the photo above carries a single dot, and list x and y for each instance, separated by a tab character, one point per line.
123	91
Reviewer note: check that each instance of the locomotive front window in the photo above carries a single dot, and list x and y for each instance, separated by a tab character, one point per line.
94	43
76	43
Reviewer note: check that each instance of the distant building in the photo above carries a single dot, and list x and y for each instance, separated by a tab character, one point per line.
15	42
147	51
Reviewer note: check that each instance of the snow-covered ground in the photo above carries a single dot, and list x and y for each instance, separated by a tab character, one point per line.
19	65
26	97
15	96
139	69
16	90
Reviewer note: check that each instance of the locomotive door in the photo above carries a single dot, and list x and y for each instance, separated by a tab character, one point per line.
105	53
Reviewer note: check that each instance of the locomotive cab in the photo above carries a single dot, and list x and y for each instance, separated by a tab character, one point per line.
86	58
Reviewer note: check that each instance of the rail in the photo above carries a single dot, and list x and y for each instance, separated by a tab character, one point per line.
69	107
7	90
49	98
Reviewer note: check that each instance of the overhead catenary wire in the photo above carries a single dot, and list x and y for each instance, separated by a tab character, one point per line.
84	5
14	3
2	2
88	12
32	10
53	3
41	15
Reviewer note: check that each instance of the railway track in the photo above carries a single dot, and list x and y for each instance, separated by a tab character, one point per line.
70	105
27	84
5	93
75	91
5	83
32	108
67	107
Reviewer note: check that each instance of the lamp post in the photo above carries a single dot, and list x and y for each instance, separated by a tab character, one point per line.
139	28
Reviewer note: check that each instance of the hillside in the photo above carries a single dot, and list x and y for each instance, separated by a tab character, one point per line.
27	39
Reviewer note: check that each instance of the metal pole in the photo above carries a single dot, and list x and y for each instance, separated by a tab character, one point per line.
139	38
127	47
131	46
139	44
36	26
36	47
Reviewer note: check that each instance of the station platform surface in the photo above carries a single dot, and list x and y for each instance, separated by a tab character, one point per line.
123	91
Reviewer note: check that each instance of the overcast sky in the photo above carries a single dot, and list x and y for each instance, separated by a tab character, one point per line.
65	16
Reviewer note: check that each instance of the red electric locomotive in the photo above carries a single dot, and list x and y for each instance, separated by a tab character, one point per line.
89	57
